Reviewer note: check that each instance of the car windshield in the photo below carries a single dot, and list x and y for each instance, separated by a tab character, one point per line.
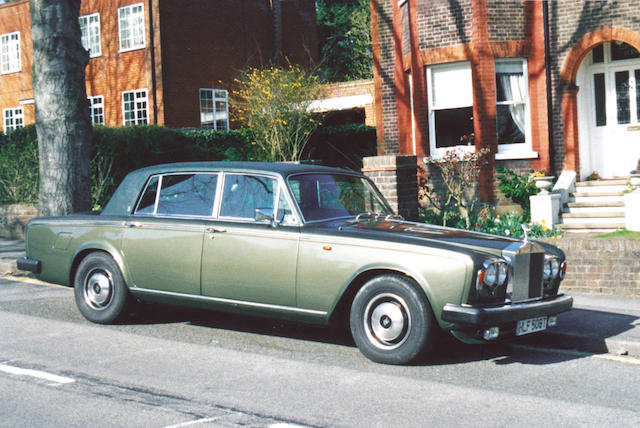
329	196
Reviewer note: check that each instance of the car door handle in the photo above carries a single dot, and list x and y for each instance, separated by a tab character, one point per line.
215	230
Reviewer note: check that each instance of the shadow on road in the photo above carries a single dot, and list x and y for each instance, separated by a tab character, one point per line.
581	330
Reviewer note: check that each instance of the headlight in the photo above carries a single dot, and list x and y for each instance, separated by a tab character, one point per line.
553	269
492	275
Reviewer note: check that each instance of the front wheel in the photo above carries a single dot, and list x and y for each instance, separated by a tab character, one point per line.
391	320
100	292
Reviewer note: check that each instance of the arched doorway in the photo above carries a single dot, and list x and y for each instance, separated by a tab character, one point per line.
608	110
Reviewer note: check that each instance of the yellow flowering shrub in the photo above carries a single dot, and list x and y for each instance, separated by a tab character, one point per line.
275	103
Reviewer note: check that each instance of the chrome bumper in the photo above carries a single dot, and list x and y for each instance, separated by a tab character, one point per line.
495	315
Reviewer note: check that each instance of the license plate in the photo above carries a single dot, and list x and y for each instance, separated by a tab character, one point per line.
531	325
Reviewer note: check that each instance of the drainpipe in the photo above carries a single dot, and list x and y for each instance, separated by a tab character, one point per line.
547	69
277	28
152	59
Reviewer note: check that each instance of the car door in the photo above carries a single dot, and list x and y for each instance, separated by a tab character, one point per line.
162	243
245	258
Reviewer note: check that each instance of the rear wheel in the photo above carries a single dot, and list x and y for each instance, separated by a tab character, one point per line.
391	320
100	292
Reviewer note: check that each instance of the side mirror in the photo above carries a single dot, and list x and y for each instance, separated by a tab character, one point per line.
265	215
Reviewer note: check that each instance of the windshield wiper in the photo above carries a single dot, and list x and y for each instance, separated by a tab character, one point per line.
368	216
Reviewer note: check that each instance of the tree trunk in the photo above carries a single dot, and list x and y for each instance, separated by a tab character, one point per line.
62	115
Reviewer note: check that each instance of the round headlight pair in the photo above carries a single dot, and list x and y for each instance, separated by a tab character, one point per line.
492	275
552	268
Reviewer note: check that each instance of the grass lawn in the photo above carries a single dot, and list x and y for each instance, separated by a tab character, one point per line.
624	233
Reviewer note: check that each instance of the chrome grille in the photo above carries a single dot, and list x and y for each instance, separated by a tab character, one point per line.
526	260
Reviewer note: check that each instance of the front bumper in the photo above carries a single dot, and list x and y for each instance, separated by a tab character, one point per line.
496	315
30	265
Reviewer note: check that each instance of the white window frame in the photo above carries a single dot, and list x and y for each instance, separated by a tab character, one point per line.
139	96
214	97
10	53
132	18
10	118
95	102
434	105
91	24
517	150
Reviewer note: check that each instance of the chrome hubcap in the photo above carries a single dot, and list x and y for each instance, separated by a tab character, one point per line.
387	321
98	289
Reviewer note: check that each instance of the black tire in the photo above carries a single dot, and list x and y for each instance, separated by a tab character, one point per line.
100	291
391	320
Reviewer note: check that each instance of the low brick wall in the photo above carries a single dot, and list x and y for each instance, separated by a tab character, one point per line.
14	218
603	266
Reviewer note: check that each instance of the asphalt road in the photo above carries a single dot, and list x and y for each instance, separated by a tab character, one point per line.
174	367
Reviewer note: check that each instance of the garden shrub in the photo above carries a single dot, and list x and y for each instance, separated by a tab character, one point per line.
19	166
517	187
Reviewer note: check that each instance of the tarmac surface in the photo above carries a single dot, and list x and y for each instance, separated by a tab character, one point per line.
597	324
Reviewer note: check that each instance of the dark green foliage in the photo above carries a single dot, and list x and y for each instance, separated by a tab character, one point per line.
118	151
516	187
344	29
342	145
19	166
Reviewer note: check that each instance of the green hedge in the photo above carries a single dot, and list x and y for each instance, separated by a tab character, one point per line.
118	151
19	166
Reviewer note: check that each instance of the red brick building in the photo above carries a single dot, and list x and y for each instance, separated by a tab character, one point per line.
164	62
545	85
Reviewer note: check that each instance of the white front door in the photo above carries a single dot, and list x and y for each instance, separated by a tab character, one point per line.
609	112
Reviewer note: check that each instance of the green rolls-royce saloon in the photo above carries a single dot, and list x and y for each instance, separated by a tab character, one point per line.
303	242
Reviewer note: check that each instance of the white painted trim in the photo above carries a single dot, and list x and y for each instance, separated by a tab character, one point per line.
340	103
144	32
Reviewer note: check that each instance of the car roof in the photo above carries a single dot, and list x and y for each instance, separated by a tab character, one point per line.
125	195
280	168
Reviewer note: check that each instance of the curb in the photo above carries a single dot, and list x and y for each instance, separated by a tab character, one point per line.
588	344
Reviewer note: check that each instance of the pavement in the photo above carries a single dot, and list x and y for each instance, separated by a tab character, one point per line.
597	323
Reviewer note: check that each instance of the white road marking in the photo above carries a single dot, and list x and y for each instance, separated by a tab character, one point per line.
285	426
36	373
191	423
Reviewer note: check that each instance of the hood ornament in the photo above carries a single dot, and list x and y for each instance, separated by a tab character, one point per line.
526	231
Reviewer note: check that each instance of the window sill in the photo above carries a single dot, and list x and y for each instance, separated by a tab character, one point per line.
137	48
517	154
4	73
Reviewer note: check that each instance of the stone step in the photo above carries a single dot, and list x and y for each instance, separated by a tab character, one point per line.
593	221
595	204
601	199
595	190
601	183
594	214
610	226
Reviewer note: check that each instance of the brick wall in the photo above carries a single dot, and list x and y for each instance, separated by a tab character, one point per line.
14	218
201	45
444	23
605	266
15	87
383	44
397	179
506	20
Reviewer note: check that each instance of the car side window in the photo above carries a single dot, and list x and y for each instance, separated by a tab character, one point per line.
187	194
147	202
244	194
180	194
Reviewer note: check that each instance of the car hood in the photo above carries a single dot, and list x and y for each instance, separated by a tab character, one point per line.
418	233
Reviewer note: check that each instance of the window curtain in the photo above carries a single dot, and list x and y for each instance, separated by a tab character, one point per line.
514	90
